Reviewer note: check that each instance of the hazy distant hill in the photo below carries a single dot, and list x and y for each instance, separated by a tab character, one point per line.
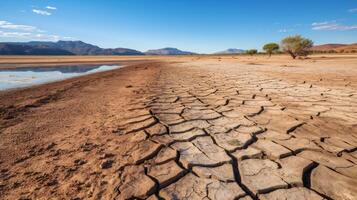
335	47
231	51
63	47
19	49
168	51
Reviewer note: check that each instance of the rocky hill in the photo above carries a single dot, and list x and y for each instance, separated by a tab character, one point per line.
60	48
168	51
339	48
20	49
231	51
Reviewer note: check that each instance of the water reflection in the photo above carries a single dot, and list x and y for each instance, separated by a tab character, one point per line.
24	77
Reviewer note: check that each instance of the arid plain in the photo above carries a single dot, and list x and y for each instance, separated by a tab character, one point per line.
183	127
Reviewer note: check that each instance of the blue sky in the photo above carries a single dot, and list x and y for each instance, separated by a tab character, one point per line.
194	25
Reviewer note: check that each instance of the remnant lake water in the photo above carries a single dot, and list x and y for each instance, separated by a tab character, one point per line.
29	76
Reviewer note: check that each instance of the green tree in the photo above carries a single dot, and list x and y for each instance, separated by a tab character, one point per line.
271	48
251	51
296	45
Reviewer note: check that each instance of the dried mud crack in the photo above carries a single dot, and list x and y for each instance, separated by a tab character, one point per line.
190	130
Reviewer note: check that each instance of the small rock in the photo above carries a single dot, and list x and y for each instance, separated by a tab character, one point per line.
50	146
80	162
106	155
88	146
106	164
52	182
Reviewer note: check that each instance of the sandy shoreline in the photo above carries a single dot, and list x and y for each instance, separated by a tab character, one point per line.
237	127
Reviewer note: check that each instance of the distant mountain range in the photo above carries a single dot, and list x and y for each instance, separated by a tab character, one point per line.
82	48
168	51
60	48
335	47
231	51
21	49
76	48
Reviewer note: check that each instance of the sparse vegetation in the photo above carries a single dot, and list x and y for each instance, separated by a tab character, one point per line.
296	46
251	51
271	48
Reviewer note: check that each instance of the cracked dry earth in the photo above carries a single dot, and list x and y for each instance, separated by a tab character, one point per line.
209	130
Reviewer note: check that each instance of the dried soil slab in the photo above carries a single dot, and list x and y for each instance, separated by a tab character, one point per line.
349	157
179	137
166	173
326	159
276	120
298	144
219	190
349	171
324	128
340	143
166	99
135	184
188	125
231	123
170	118
188	187
217	129
144	150
166	109
271	149
203	153
259	103
273	135
137	126
157	129
247	153
222	173
335	145
192	114
137	137
188	135
253	130
165	154
333	184
293	168
206	146
214	102
299	193
204	92
192	187
260	176
233	140
242	110
134	119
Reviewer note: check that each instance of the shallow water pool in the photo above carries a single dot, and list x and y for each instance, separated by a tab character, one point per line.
29	76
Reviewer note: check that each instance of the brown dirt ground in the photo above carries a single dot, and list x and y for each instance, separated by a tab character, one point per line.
222	127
